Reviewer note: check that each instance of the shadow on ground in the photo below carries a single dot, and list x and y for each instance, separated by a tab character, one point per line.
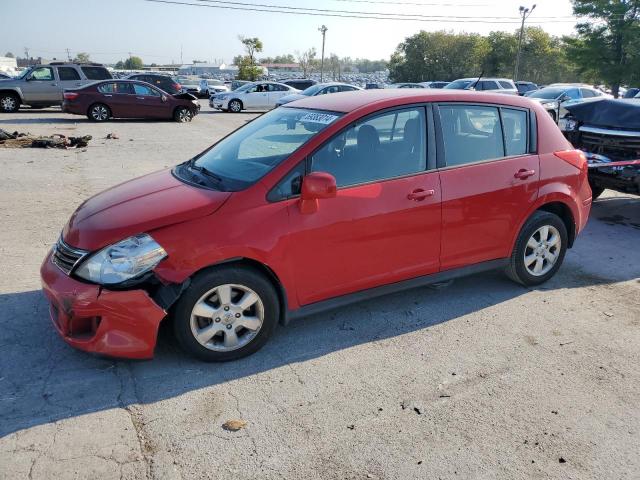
42	380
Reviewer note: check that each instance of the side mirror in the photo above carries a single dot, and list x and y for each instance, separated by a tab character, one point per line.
316	186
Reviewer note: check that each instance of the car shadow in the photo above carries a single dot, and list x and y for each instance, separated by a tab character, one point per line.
42	380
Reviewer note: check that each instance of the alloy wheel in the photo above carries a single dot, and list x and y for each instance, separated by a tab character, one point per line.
227	317
8	103
542	250
184	115
235	106
99	113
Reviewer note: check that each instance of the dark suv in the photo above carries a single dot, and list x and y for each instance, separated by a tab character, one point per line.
41	86
300	83
163	82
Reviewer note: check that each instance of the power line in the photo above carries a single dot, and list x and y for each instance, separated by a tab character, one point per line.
328	13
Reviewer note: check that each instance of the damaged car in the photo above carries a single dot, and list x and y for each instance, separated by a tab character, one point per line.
608	132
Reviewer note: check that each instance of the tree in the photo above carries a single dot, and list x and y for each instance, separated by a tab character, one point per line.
607	49
307	61
131	63
9	55
247	70
334	65
82	57
251	46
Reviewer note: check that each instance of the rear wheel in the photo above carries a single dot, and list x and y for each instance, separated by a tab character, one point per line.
226	313
539	249
9	102
99	112
235	106
182	115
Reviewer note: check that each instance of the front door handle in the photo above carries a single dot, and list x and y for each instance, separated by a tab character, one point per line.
107	95
420	194
523	174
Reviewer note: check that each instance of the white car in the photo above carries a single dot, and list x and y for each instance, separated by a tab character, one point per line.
252	96
493	85
211	87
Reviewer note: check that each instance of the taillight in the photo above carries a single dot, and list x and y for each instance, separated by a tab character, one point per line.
70	95
574	157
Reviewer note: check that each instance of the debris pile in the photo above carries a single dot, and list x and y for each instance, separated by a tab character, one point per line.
26	140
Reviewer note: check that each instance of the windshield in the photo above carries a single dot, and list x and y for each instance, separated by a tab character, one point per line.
252	151
244	87
311	91
548	93
25	73
459	84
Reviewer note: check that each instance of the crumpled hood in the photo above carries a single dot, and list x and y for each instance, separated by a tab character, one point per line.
139	205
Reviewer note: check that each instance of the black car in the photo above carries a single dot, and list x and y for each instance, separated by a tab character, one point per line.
525	87
632	92
608	131
300	83
163	82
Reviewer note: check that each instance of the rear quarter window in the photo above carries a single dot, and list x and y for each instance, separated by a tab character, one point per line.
96	73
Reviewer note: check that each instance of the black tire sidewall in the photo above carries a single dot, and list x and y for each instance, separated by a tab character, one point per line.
539	219
204	281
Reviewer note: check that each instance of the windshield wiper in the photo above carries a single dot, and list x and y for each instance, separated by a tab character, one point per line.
203	170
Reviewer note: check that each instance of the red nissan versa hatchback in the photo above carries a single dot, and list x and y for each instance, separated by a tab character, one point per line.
322	202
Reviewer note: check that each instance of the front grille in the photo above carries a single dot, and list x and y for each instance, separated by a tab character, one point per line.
66	257
614	142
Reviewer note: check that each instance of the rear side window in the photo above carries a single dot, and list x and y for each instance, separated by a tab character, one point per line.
116	87
487	85
470	133
68	73
515	131
586	93
388	145
96	73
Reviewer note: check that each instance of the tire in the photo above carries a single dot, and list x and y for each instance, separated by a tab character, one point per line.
9	103
538	250
99	112
222	320
182	115
235	106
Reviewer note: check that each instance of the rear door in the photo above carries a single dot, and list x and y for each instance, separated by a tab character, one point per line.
384	224
489	175
276	92
69	78
119	97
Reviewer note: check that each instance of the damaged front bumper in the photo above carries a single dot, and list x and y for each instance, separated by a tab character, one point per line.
106	322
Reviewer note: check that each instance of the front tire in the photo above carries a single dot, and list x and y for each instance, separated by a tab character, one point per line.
539	250
226	313
99	112
183	115
9	103
235	106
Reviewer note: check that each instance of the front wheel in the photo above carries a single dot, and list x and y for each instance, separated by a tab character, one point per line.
235	106
182	115
9	103
539	249
226	313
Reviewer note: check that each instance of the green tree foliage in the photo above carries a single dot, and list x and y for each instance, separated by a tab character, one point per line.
438	56
247	70
251	47
607	46
82	57
279	59
9	55
447	56
131	63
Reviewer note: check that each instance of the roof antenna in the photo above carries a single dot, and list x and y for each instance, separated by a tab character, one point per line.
473	87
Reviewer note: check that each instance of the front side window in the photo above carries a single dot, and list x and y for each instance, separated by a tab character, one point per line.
42	74
470	133
487	85
389	145
68	73
144	90
96	73
252	151
573	94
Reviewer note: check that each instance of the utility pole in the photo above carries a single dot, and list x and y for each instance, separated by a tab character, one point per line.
181	54
524	13
68	55
323	30
26	54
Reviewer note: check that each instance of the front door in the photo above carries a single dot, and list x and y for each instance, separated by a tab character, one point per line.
41	86
384	224
257	97
149	102
488	179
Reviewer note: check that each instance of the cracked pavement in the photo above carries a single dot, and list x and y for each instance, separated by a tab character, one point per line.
482	379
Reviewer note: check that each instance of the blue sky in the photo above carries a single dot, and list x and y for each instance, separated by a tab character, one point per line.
108	30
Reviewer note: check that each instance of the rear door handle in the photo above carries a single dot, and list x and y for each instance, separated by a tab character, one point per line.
523	173
108	95
420	194
140	98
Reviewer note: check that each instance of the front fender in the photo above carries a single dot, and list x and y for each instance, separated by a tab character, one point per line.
16	90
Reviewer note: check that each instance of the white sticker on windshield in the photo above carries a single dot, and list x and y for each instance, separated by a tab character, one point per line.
323	118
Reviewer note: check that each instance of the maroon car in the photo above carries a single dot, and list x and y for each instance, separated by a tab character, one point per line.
128	99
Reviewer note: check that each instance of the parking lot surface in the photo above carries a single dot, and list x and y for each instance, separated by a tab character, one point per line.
483	379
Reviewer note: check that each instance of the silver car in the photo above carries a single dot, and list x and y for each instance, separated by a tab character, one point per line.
556	97
42	86
318	89
252	96
493	85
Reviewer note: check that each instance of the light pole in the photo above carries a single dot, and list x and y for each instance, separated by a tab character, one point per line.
524	13
323	30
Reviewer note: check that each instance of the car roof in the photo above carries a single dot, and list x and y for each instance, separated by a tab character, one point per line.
346	102
487	78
